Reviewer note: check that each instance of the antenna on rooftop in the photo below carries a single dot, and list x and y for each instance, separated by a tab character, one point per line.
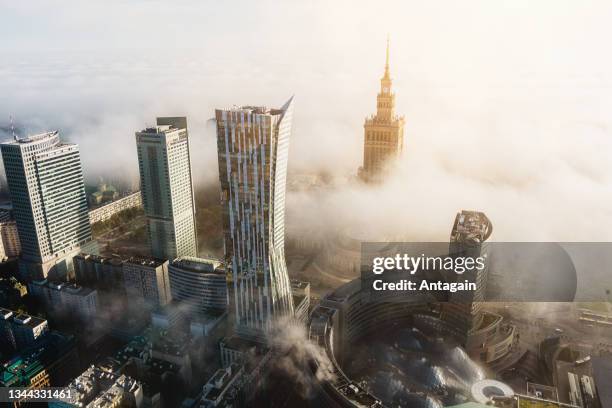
13	128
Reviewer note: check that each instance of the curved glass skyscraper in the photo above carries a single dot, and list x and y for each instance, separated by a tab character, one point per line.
253	147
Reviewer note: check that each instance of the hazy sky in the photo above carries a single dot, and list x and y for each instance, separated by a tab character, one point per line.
507	103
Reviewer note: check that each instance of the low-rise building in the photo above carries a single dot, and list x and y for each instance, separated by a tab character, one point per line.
98	388
146	282
155	354
64	299
220	389
10	246
98	271
27	329
198	283
107	211
19	330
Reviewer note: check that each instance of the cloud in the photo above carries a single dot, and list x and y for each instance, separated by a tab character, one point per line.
293	353
511	121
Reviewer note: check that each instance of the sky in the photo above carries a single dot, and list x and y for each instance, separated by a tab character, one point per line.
507	104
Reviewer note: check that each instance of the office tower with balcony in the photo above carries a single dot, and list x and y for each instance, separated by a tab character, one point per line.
253	147
167	188
45	181
383	132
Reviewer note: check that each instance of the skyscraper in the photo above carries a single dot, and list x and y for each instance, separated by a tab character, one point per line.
463	311
383	132
45	182
253	147
167	188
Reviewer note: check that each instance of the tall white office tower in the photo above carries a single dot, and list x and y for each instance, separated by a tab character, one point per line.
253	147
167	189
45	181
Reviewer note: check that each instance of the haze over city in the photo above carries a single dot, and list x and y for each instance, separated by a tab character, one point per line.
305	204
506	111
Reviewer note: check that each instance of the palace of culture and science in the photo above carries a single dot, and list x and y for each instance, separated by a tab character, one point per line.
383	132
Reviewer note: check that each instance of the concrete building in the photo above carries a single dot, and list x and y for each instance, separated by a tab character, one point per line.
155	354
167	188
106	212
99	272
10	246
383	132
66	300
217	392
253	147
98	388
199	283
146	282
19	330
27	329
45	182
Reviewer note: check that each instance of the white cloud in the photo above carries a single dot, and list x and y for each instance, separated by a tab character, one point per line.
507	106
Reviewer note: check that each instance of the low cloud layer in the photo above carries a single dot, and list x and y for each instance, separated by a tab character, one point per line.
507	109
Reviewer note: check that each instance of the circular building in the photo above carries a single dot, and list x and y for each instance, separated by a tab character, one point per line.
485	390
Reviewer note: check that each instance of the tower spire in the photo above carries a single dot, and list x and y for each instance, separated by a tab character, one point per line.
387	59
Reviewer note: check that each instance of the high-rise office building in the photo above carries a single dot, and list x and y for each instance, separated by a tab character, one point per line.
383	132
253	147
167	188
45	181
463	311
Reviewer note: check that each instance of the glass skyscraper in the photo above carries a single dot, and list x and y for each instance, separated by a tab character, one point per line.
167	189
253	147
45	181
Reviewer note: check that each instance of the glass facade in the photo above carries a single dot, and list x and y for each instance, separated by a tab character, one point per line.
253	147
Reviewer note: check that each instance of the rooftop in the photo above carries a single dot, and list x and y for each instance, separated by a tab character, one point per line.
159	129
71	288
101	386
299	284
28	320
5	314
99	259
199	265
471	226
146	261
34	138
